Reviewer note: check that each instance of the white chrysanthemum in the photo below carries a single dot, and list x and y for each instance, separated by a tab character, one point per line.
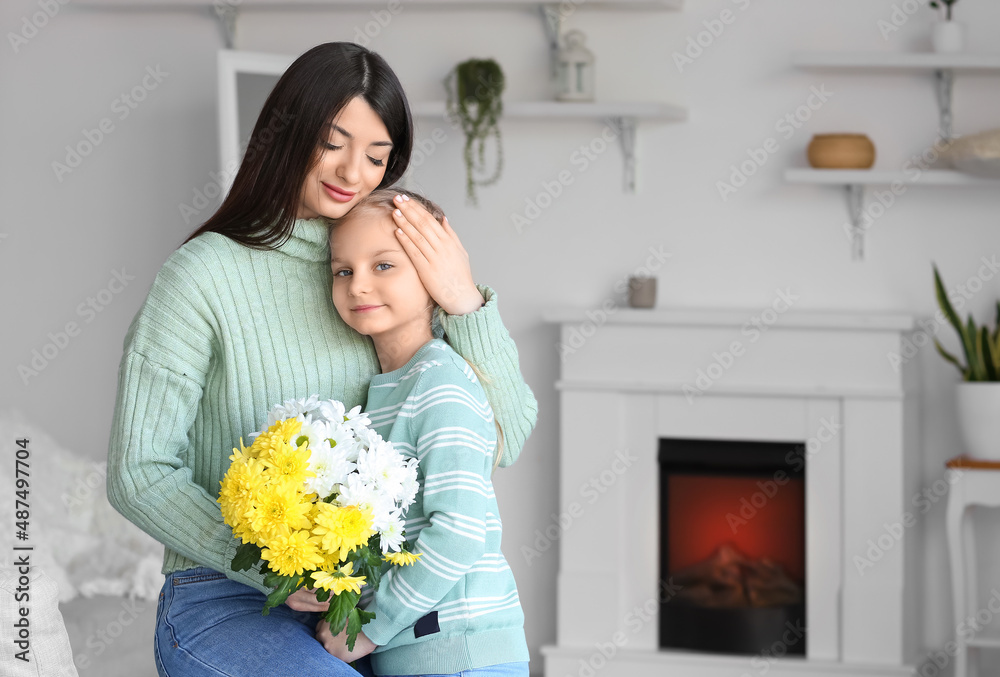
331	467
368	438
391	536
316	431
383	466
331	410
410	485
343	440
367	497
292	409
357	419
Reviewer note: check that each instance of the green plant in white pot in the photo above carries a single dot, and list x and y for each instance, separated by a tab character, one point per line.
978	396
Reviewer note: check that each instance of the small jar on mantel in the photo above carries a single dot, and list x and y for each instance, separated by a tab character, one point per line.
574	69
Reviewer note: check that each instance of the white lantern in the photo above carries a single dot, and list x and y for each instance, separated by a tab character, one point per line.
574	69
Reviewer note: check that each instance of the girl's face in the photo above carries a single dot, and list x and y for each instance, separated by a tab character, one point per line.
352	163
376	289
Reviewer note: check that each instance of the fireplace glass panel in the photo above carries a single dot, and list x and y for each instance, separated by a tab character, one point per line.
732	542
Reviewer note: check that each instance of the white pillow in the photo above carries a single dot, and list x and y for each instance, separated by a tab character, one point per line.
79	540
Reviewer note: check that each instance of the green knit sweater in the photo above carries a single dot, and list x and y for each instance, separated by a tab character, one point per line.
226	333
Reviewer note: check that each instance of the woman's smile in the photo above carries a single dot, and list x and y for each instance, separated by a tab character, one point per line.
338	194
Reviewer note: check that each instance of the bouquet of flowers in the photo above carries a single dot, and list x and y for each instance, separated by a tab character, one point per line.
318	499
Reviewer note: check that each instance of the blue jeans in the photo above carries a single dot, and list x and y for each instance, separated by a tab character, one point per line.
501	670
210	626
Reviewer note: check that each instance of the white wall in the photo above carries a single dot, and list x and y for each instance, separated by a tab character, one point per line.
119	210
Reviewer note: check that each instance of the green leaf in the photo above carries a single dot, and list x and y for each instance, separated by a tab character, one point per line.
970	338
355	621
287	586
982	354
944	303
369	565
340	608
951	358
353	628
246	556
988	358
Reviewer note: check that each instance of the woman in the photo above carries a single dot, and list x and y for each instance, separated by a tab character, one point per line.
240	318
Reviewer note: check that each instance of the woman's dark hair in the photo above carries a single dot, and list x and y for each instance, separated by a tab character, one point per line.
260	209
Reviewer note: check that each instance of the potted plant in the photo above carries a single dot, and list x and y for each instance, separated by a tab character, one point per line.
978	396
948	35
474	88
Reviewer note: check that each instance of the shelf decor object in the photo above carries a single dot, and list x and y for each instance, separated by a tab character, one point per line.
978	396
948	36
977	154
474	89
841	151
575	69
943	68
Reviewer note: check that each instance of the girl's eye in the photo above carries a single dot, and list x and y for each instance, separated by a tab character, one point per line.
342	273
377	163
387	266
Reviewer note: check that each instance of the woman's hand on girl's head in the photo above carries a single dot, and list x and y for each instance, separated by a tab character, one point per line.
304	599
439	257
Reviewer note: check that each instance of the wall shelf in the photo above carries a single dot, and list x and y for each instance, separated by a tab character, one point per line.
652	111
869	177
897	62
668	5
621	116
943	68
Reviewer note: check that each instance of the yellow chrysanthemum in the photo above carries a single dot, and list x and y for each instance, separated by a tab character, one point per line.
340	581
287	464
342	529
401	558
239	488
278	510
291	554
280	433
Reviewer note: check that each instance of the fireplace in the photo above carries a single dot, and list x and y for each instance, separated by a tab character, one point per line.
732	543
820	386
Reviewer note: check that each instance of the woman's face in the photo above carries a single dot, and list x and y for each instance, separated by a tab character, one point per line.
352	162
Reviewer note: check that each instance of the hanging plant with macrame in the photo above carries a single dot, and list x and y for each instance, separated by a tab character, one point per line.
474	88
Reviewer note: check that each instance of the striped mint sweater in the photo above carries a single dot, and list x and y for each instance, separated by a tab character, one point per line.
457	608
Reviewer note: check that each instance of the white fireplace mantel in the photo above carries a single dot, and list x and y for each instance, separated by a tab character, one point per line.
832	380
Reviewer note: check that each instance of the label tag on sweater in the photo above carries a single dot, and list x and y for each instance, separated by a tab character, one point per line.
427	625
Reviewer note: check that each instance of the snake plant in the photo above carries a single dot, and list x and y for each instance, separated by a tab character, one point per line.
981	347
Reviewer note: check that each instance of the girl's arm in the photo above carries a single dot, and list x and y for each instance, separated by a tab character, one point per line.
482	339
167	353
451	435
474	329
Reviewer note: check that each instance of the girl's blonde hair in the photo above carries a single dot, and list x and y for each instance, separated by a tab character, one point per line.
381	200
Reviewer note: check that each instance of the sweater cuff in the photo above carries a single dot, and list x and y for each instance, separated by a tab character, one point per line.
251	577
381	629
478	336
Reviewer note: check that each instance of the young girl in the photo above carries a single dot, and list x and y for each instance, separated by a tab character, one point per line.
456	609
240	318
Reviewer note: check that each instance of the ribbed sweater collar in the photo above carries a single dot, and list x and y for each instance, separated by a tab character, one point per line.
308	240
